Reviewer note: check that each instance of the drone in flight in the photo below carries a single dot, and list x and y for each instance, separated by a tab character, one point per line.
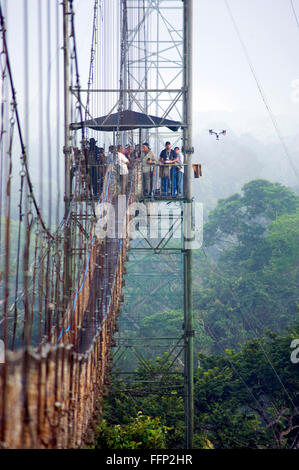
217	134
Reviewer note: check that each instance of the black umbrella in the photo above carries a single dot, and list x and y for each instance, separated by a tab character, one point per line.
126	121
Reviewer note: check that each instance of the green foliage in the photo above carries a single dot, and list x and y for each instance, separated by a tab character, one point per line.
163	324
250	280
169	324
245	283
268	200
282	236
245	399
156	392
245	293
244	218
250	398
141	432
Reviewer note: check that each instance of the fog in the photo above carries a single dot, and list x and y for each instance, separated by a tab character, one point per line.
240	90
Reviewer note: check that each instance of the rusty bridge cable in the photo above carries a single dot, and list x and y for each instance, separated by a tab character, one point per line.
24	155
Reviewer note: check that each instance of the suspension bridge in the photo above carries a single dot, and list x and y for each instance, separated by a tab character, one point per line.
61	278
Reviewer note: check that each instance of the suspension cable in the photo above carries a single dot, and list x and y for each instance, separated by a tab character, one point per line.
24	155
263	96
92	57
294	12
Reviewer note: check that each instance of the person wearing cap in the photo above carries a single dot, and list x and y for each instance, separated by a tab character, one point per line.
167	156
148	160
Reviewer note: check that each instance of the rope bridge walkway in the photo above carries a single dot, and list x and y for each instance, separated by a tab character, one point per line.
50	392
60	283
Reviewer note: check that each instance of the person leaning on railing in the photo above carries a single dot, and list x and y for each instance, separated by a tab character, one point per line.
179	172
148	159
167	158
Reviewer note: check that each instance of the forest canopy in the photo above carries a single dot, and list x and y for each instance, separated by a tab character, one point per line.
246	279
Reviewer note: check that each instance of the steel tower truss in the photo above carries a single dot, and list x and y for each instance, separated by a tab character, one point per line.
156	57
155	78
155	62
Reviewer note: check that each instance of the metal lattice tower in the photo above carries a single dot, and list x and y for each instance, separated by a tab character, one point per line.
156	61
58	327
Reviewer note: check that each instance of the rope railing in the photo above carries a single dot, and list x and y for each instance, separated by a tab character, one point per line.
50	392
57	343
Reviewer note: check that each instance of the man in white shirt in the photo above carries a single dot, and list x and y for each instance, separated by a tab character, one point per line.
123	163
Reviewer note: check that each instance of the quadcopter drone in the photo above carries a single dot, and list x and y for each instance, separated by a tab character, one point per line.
217	134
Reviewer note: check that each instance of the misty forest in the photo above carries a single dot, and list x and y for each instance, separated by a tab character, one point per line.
245	301
245	296
245	275
246	316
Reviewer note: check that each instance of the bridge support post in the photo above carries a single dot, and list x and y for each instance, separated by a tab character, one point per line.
188	150
67	151
168	100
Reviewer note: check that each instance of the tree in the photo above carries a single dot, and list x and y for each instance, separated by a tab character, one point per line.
243	219
141	432
250	398
249	281
243	399
156	392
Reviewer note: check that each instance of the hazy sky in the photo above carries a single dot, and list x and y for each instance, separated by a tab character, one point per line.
224	87
222	77
271	35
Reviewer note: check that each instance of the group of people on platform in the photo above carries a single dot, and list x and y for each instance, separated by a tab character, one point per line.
167	183
171	175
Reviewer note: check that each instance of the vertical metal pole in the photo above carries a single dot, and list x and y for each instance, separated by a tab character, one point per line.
188	150
146	26
67	195
123	82
158	180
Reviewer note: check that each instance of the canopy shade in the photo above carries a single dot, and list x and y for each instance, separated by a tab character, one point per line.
126	121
